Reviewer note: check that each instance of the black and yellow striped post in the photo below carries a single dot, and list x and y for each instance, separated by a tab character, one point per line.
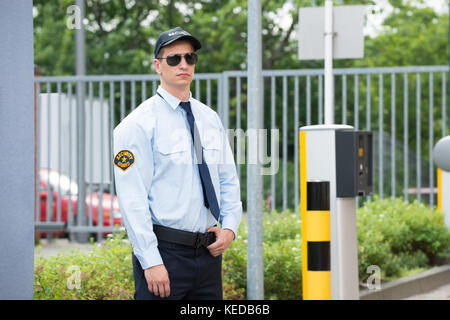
315	213
335	168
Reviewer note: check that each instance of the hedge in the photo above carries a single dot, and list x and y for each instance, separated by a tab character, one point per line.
395	236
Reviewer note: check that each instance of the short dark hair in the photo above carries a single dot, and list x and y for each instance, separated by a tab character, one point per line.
160	53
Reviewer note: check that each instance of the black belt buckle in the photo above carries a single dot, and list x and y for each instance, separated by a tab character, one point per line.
200	240
204	239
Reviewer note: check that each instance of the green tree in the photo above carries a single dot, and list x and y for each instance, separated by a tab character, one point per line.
411	35
120	35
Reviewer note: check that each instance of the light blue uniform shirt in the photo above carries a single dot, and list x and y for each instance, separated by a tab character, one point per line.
156	172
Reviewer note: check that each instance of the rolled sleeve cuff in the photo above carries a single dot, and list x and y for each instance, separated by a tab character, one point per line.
148	258
230	223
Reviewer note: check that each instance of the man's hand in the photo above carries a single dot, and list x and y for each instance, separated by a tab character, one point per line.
224	237
158	280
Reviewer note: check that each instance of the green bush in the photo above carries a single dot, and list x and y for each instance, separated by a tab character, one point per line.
105	273
283	270
282	259
397	237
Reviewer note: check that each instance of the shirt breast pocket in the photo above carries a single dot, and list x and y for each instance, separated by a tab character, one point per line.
173	152
211	152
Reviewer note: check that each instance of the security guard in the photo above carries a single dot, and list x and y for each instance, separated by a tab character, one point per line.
175	180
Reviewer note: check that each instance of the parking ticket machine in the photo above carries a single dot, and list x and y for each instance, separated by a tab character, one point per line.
335	167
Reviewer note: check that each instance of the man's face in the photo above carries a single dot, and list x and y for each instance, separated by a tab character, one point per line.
178	76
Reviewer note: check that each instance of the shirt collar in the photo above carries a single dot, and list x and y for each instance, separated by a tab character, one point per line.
170	99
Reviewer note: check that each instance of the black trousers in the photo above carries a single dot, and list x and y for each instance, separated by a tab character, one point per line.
194	274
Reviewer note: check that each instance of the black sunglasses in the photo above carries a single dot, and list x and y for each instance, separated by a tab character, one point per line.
175	59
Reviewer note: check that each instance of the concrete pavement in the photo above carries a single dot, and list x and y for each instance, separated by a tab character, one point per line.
56	246
441	293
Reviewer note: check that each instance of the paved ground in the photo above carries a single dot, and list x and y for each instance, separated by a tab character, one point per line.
59	245
63	245
441	293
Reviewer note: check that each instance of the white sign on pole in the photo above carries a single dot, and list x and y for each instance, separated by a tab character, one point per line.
348	40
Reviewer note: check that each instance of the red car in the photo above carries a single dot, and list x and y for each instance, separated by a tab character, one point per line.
65	191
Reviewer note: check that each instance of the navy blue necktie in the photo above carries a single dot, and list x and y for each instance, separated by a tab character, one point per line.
209	194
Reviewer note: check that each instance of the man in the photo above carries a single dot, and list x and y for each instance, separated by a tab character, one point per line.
175	180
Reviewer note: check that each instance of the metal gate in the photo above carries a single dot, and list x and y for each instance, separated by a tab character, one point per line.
405	107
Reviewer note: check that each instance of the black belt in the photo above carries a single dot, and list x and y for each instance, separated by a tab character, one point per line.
191	239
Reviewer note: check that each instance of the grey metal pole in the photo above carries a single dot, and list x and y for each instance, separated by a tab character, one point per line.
18	172
81	136
328	61
255	268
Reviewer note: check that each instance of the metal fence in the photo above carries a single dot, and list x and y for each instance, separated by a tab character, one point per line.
404	107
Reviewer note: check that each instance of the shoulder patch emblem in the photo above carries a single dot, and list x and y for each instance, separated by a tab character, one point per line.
124	159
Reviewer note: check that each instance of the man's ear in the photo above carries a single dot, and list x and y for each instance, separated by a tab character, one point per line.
157	67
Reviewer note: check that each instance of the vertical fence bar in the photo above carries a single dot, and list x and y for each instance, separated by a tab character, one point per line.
296	146
154	87
81	159
418	136
344	99
380	136
444	105
102	148
368	102
70	202
58	204
111	147
133	95
393	128
284	143
431	137
91	148
405	136
220	86
368	109
238	126
273	126
226	101
197	89
308	100
122	100
38	152
356	106
334	99
49	134
208	92
143	91
320	102
262	116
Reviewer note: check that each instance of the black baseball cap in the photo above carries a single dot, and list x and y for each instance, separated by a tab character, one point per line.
171	35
